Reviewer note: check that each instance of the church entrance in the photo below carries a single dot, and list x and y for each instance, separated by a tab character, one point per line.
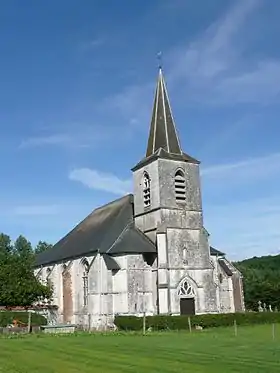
187	306
186	294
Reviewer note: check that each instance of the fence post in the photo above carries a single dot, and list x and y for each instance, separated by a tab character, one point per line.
144	323
89	322
235	328
190	325
29	322
273	331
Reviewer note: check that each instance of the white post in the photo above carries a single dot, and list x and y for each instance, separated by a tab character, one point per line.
190	325
235	328
29	321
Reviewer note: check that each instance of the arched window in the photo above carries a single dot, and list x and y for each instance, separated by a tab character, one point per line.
85	265
147	190
180	187
186	290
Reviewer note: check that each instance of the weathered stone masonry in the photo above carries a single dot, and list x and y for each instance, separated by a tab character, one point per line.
147	252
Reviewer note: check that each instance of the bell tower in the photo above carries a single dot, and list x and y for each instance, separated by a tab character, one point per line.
168	209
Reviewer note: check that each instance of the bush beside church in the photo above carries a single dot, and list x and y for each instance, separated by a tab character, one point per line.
160	322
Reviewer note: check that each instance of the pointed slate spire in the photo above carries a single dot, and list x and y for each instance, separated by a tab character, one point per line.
163	132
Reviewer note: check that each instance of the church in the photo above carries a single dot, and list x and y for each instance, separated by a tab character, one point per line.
146	252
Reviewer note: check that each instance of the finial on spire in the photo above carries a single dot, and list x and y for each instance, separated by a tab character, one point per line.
159	57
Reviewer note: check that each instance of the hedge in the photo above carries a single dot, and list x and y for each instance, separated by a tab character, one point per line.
162	322
7	317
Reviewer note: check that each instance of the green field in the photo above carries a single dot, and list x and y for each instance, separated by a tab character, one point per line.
252	350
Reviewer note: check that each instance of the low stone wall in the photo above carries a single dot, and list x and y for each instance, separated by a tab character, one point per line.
58	329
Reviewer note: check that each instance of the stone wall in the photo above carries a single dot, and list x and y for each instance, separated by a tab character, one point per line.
131	290
67	292
224	286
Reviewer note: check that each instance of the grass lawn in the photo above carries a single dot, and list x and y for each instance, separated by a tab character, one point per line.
253	350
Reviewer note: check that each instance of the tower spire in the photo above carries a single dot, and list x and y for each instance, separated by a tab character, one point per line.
163	132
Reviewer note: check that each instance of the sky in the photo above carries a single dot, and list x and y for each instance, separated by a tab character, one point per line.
77	85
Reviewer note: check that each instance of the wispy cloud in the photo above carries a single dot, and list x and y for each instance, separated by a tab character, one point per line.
35	210
95	179
215	51
236	173
259	85
76	136
249	170
215	67
134	103
48	140
93	44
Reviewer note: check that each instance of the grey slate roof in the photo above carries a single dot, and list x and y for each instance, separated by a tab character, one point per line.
225	267
163	154
162	131
163	139
109	230
216	252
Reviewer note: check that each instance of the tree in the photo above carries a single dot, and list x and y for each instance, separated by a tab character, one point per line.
6	247
24	252
18	285
261	278
42	246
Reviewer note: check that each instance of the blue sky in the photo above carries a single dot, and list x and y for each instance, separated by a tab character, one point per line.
77	85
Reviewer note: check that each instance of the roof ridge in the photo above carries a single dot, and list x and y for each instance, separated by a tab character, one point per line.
119	237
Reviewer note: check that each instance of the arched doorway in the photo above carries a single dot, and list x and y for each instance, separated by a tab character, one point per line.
187	297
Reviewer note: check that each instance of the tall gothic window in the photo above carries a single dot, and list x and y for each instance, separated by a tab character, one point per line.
186	290
85	281
180	187
147	190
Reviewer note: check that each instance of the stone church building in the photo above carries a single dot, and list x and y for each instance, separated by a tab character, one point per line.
147	251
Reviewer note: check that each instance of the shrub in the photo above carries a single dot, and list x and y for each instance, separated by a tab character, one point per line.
165	322
7	317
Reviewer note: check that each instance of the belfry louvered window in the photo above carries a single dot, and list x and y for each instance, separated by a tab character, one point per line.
180	187
147	190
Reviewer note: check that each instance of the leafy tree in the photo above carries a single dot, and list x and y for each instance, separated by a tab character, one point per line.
24	252
42	246
6	247
18	285
261	277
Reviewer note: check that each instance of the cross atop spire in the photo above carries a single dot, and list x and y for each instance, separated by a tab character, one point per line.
163	132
